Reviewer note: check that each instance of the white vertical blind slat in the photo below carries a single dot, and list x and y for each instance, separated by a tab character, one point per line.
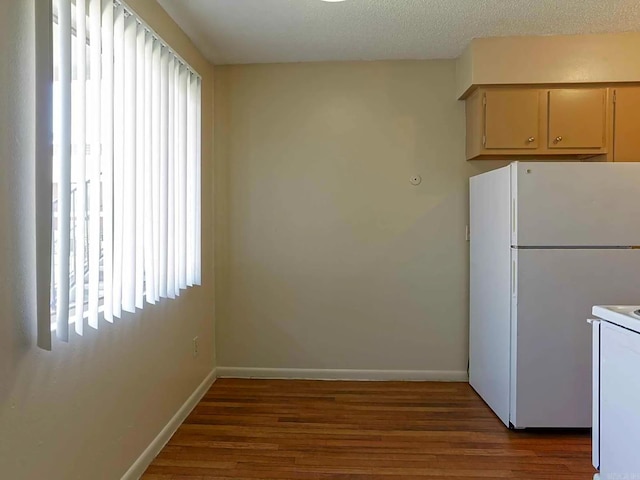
108	100
64	170
95	242
164	148
155	165
189	192
147	182
171	157
198	185
182	178
79	160
176	180
193	189
140	114
129	171
118	158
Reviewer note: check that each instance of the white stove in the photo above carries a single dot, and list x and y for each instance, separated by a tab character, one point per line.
616	391
627	316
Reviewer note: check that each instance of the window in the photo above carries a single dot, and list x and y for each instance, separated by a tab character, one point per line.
126	172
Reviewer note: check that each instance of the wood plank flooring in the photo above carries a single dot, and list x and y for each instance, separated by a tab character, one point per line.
293	429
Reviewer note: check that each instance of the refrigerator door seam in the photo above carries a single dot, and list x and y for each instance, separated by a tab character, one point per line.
575	247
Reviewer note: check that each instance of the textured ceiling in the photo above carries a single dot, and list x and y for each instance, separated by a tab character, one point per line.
272	31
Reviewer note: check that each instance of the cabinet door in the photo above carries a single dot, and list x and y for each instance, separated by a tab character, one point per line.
626	134
511	119
577	118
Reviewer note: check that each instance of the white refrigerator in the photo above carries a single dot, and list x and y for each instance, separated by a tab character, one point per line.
548	241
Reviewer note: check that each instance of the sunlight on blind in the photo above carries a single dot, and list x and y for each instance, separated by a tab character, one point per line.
126	166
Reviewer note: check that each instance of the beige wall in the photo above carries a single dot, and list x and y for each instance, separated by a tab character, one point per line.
335	260
87	409
549	59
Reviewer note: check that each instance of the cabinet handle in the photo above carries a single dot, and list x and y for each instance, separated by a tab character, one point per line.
531	139
558	139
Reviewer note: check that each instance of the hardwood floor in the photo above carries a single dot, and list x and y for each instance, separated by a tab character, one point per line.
293	429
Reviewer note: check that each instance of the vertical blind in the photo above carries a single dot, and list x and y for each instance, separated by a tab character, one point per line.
126	167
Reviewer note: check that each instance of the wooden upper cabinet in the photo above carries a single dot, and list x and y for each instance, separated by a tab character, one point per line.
577	118
544	123
511	119
626	126
504	121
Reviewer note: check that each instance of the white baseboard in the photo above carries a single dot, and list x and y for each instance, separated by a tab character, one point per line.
343	374
144	460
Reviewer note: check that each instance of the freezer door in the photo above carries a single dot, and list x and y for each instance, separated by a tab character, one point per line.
551	342
575	204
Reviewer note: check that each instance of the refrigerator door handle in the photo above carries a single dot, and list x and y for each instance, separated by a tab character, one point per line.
593	321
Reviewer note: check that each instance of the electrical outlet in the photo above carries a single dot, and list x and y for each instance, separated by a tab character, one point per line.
196	347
